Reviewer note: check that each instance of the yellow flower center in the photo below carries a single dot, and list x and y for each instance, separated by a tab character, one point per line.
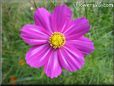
57	40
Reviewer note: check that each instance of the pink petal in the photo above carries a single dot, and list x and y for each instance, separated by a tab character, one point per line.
33	35
60	17
78	28
70	58
42	18
83	44
37	56
52	67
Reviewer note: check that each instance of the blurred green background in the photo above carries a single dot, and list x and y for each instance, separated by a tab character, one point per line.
98	67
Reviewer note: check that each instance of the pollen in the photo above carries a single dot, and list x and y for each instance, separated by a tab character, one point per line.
57	40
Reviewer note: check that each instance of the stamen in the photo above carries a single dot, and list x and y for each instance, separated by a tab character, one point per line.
57	40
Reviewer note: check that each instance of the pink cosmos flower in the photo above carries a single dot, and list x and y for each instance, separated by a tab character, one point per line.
57	41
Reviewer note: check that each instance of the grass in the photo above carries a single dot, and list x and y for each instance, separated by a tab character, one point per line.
98	67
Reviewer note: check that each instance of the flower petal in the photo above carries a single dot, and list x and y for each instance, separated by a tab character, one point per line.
37	56
42	18
52	67
60	17
78	28
84	44
33	35
70	58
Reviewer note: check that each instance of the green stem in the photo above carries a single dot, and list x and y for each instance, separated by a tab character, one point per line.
35	4
42	74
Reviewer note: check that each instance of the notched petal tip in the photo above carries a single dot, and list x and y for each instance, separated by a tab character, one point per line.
52	68
82	19
55	76
33	34
42	18
37	56
78	28
64	9
85	20
39	10
53	73
59	17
